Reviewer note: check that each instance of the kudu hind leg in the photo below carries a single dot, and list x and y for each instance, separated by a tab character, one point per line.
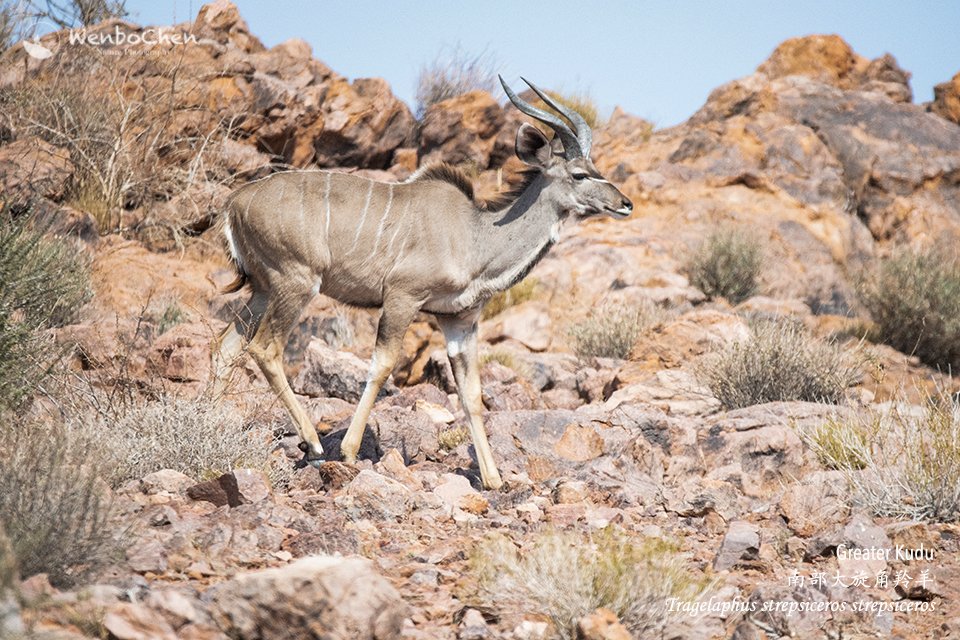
395	317
230	343
461	337
267	346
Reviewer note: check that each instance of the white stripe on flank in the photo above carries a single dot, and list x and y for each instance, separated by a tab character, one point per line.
399	226
363	216
383	220
326	197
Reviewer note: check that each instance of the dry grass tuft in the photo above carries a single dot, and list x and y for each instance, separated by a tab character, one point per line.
727	265
901	460
508	359
503	300
781	362
567	575
582	103
914	300
450	439
611	330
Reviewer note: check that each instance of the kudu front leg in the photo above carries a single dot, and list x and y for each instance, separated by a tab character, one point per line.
461	335
395	317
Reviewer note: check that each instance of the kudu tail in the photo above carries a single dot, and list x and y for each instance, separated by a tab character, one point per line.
238	283
242	278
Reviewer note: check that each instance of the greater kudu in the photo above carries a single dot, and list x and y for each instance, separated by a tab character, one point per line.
421	245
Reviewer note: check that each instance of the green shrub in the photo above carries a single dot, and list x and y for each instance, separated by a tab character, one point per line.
8	565
611	330
782	361
567	575
914	300
727	265
56	510
45	282
900	461
453	73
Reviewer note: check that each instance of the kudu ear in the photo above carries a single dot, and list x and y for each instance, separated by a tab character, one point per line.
532	146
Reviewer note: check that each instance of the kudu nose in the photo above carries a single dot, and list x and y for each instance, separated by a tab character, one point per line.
627	205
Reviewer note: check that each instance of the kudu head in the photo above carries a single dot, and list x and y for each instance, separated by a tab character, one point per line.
565	161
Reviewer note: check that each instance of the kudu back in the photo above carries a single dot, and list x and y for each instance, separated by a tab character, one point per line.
426	244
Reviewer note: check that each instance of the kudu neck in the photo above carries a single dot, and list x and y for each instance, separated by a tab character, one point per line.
519	233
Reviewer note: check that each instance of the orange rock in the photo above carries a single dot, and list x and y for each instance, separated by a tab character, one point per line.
946	99
824	57
602	624
579	444
461	130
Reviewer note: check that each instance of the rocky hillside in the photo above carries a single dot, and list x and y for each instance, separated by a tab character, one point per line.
644	498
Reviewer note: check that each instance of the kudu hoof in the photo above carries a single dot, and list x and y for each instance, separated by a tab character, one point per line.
309	458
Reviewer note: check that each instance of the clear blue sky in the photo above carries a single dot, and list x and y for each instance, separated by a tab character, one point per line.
658	60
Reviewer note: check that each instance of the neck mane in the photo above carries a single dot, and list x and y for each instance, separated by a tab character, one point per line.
443	172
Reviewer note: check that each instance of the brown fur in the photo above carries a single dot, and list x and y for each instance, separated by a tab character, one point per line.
443	172
501	200
450	174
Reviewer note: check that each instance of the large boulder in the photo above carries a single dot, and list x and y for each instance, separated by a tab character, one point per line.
319	597
461	130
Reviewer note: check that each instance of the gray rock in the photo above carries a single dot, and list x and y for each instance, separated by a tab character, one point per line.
166	480
132	621
473	626
316	598
741	542
371	495
330	373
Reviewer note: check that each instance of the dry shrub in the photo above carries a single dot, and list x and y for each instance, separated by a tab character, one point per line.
503	300
914	299
567	575
900	460
119	134
198	437
75	13
727	264
453	73
781	362
45	282
611	330
55	507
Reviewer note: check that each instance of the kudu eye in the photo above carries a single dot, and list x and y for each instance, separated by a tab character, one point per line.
579	175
